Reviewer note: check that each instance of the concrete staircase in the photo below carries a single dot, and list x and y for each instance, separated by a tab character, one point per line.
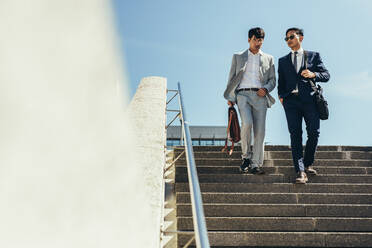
243	210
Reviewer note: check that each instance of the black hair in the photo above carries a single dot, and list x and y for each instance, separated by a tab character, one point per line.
298	31
258	32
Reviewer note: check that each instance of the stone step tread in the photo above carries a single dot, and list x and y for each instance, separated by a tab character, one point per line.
278	166
283	148
293	198
282	218
183	232
278	162
280	224
285	155
279	204
271	193
278	210
283	239
286	184
280	187
208	169
288	146
279	175
276	159
276	178
287	152
205	175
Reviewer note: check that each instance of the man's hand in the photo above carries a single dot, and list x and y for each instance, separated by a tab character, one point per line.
281	100
262	92
308	74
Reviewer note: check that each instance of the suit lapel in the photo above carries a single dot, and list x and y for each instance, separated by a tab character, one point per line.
260	67
306	56
290	63
303	62
244	60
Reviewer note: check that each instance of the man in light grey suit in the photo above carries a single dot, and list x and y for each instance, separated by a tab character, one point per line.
252	77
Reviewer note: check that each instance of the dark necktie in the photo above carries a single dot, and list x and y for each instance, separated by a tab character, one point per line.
295	61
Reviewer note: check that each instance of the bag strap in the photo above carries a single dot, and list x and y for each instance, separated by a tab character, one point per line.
313	85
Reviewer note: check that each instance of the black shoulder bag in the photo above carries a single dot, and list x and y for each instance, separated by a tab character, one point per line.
321	103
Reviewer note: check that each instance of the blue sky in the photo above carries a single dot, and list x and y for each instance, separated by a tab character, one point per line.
193	42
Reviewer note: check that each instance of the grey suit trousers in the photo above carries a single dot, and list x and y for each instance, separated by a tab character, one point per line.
252	109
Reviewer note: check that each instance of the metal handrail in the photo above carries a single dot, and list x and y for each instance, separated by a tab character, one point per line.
200	227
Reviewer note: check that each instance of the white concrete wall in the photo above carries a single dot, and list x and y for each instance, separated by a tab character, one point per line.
147	109
68	173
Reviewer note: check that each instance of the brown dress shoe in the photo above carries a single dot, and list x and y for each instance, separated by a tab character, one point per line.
310	170
301	178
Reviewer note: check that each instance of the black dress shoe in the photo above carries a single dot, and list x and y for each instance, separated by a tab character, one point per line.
244	167
256	170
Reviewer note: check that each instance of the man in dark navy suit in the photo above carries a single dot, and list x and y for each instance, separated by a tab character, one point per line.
296	94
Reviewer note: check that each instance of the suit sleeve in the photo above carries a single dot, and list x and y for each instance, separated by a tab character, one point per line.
232	69
271	82
280	81
321	73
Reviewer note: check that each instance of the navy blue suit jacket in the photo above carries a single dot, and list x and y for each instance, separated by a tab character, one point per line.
288	78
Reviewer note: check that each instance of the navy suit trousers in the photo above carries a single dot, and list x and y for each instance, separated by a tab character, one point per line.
296	110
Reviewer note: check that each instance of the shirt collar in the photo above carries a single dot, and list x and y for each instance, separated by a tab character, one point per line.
259	52
299	51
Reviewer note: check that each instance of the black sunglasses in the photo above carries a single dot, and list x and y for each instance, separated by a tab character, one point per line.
290	37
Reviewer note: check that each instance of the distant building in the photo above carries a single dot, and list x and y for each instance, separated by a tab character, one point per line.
200	135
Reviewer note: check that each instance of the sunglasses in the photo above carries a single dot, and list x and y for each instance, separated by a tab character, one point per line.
290	37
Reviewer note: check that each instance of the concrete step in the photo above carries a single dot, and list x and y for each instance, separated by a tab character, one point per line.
285	155
283	224
282	148
279	187
283	239
243	210
169	227
276	170
279	198
276	178
278	210
169	241
170	214
279	162
234	178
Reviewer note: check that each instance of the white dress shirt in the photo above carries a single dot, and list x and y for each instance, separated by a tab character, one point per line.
251	76
300	56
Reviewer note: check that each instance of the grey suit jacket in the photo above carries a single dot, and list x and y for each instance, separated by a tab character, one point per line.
267	75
